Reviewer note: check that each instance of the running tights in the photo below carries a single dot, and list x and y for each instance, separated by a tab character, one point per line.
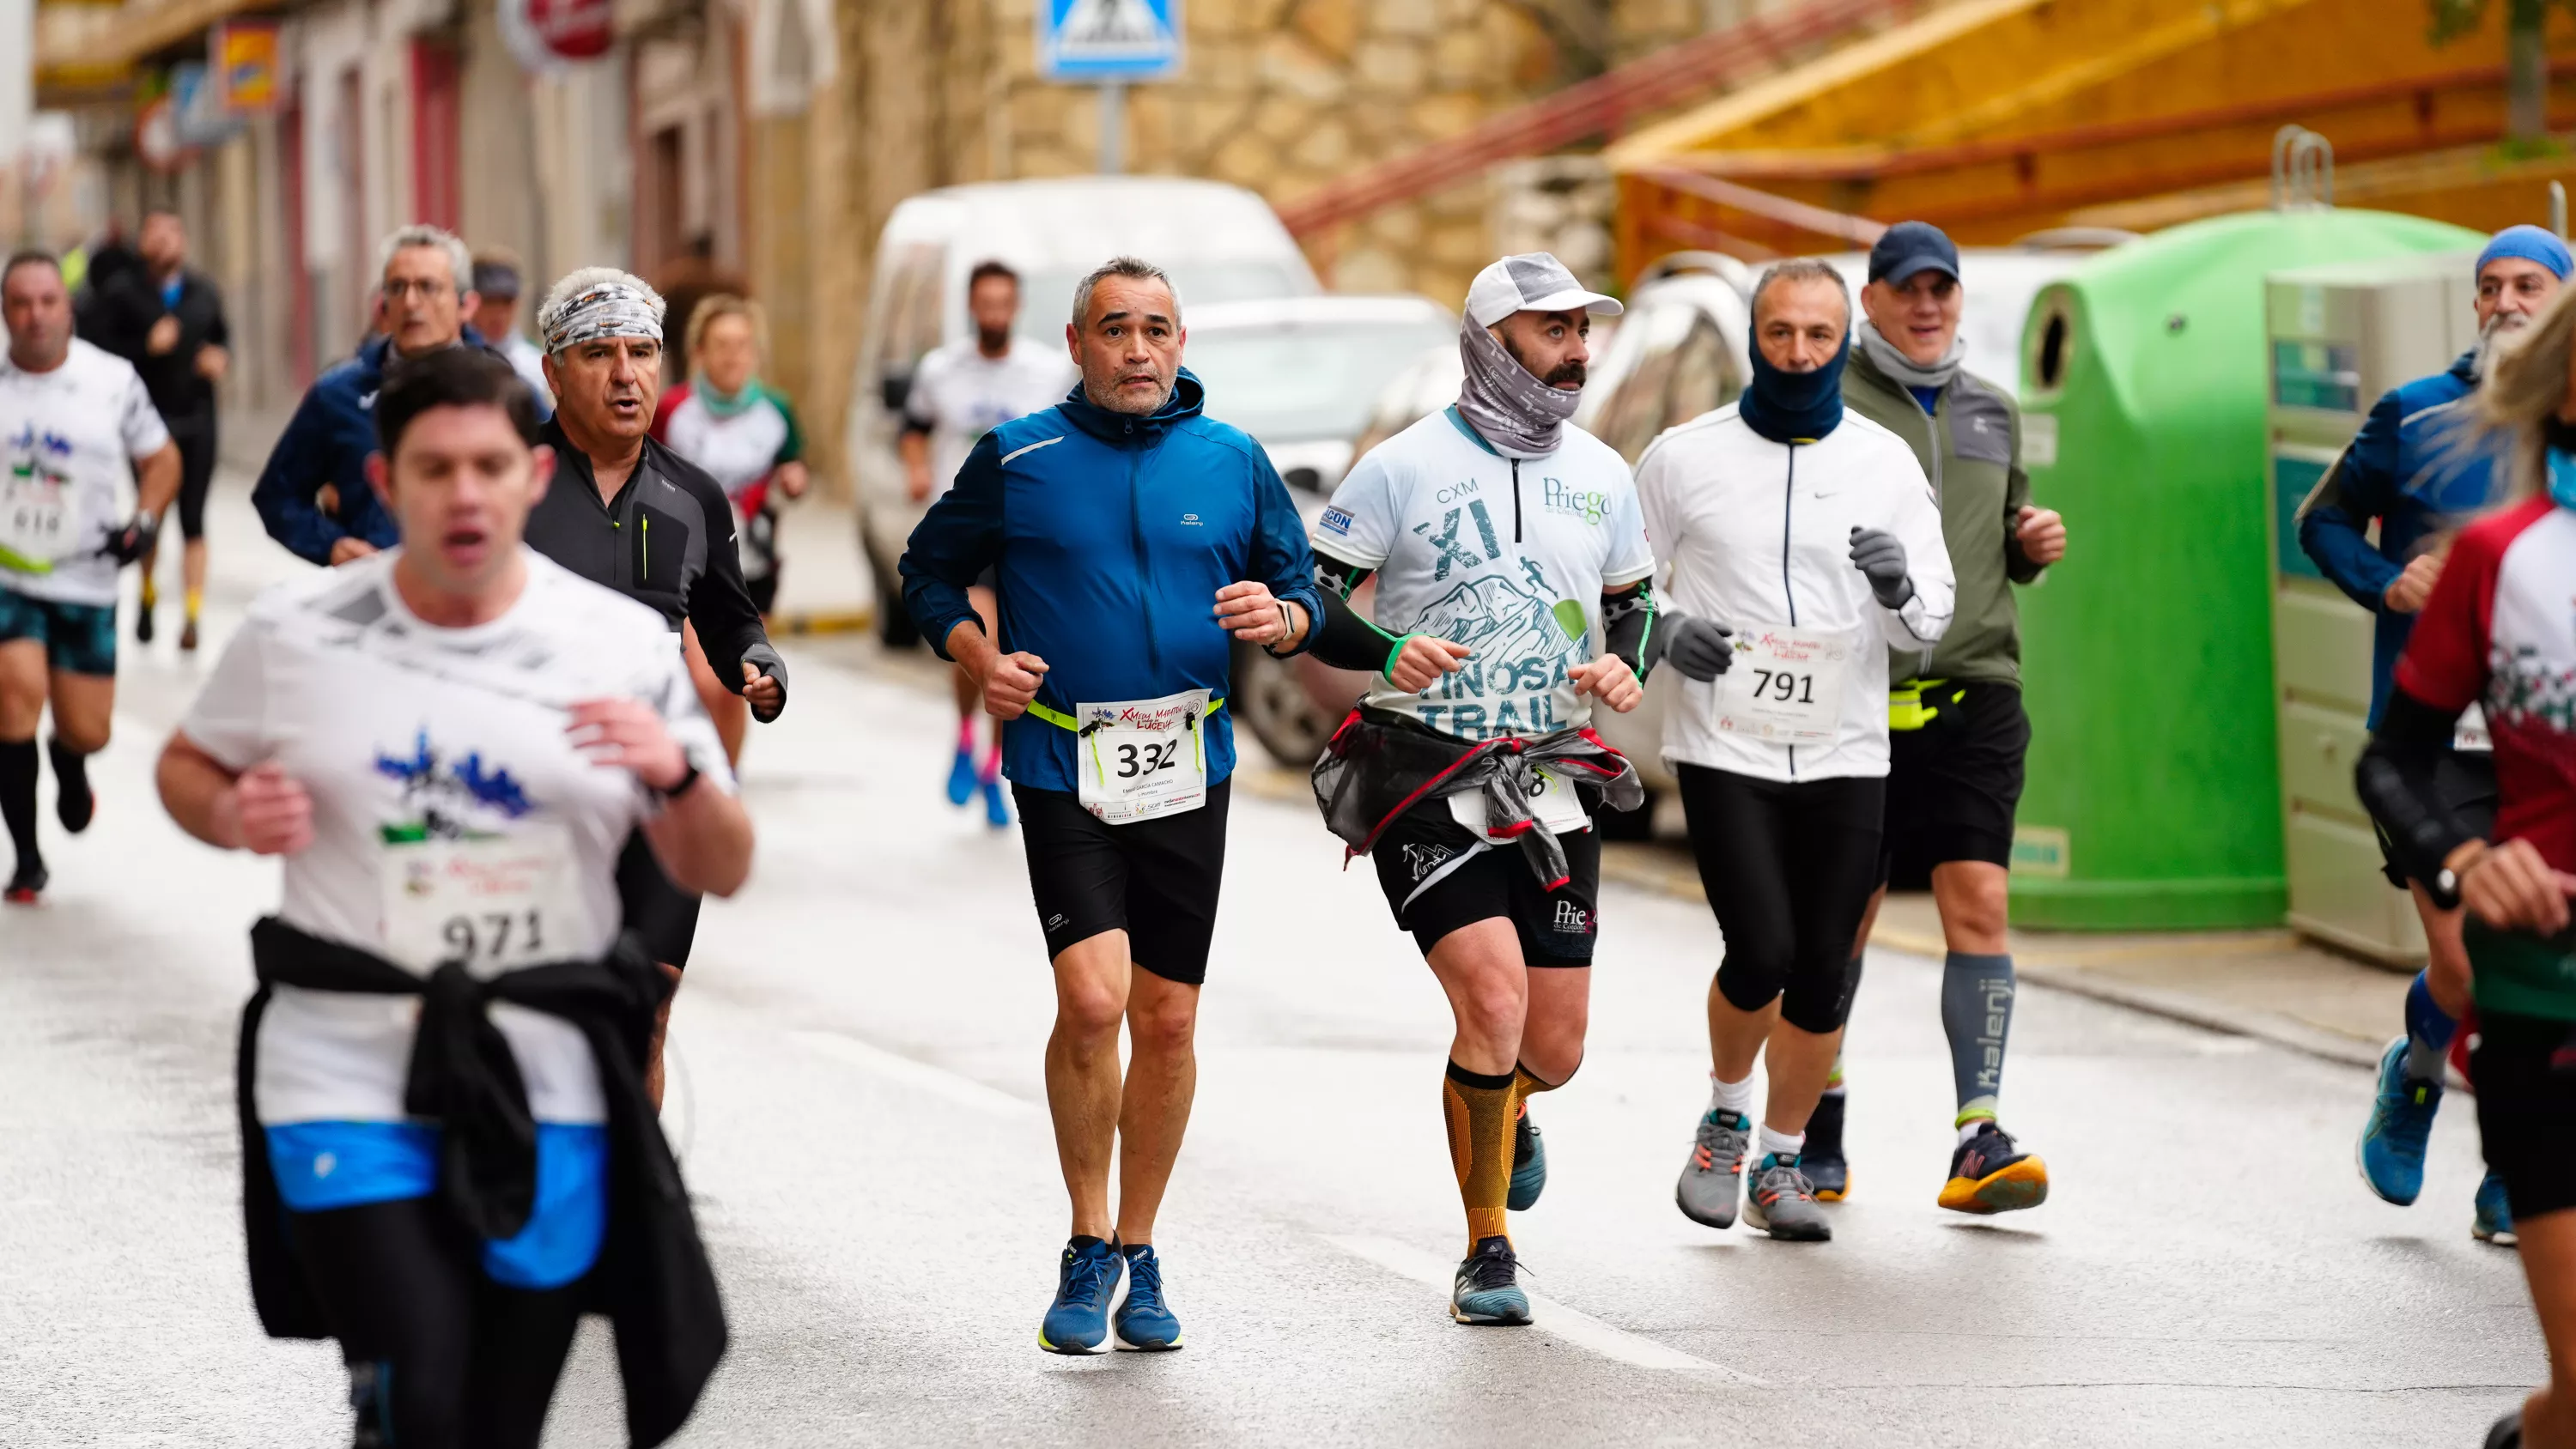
466	1363
1788	867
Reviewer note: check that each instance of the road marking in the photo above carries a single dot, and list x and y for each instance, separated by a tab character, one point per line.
963	1090
1548	1316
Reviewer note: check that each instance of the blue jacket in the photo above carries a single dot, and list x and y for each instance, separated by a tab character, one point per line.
327	441
2405	470
1111	535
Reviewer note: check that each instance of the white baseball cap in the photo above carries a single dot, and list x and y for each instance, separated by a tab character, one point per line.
1531	282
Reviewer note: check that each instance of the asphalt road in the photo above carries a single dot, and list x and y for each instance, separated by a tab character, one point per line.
857	1095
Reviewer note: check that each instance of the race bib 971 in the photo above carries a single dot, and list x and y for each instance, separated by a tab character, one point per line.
495	904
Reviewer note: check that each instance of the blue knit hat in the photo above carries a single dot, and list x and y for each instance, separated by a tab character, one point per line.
2532	244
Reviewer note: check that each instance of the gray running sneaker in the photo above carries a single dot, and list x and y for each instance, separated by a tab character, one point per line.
1712	1179
1783	1203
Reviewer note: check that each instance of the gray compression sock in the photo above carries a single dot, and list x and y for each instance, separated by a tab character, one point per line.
1976	1013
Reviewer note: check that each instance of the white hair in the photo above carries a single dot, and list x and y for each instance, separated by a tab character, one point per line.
460	262
560	297
1134	269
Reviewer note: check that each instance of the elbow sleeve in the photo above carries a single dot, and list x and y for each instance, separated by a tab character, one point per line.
1628	629
1342	638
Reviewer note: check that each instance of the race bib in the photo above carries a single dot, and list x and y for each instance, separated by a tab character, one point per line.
1143	758
39	521
1786	685
495	904
1552	801
2469	735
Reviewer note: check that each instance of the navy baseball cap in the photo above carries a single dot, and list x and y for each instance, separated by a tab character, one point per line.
1909	247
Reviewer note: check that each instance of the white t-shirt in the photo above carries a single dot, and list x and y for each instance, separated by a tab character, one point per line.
1508	557
68	440
403	732
960	395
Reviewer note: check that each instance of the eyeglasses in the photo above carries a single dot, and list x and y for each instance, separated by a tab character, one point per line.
398	288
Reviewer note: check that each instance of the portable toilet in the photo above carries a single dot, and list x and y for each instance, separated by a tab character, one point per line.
2153	800
2339	336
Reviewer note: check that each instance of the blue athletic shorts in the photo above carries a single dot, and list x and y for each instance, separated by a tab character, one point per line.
78	638
324	1165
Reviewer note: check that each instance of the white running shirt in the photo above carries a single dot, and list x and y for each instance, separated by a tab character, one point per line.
1509	558
68	441
402	731
960	395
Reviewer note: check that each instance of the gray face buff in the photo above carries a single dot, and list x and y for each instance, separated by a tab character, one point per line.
609	309
1519	415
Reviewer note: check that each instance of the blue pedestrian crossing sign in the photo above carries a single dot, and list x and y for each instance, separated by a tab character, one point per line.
1102	41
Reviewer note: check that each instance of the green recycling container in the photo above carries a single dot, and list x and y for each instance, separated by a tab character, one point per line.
2154	798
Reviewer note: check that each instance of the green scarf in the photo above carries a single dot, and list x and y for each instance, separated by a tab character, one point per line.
723	406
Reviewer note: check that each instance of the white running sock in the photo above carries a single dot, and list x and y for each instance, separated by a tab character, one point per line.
1972	1127
1736	1097
1787	1145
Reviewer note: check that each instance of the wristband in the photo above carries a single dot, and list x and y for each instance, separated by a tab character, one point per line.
1287	627
687	782
1393	654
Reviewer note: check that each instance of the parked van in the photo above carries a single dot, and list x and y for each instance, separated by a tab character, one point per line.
1220	243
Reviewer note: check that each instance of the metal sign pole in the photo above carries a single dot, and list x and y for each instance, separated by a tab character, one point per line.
1113	127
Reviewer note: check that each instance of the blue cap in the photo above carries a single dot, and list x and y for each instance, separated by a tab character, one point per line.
1912	246
2531	243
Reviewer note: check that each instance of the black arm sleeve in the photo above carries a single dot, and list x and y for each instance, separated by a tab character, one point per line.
1628	627
1343	639
2399	785
729	625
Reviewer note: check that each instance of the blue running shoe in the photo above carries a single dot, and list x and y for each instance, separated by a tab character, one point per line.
2392	1142
1078	1321
1145	1323
1488	1290
961	776
1529	1163
2494	1221
996	812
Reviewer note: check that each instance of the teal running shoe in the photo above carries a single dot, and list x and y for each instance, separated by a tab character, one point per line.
961	777
1078	1320
1488	1291
1529	1164
1144	1322
2392	1142
996	812
2494	1220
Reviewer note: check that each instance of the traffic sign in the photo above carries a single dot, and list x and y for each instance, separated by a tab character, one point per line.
1109	42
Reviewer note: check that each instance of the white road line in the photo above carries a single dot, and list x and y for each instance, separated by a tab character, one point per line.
963	1090
1548	1316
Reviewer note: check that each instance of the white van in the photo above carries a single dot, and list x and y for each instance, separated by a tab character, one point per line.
1220	243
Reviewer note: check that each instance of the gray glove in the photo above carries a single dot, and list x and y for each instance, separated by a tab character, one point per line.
1880	558
1697	647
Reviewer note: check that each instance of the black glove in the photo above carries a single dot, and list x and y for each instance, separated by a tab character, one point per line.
133	541
1880	558
1699	648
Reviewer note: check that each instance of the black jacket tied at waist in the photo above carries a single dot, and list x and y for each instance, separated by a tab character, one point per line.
1381	764
652	1280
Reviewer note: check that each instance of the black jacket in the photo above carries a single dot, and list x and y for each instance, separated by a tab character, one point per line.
666	540
121	319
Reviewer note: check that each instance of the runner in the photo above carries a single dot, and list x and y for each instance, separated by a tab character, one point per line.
1958	732
2496	631
498	280
2405	473
1502	539
449	745
72	420
1812	533
1111	662
655	528
313	493
744	435
959	393
168	321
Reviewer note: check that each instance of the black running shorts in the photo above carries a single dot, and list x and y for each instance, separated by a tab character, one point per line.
2524	1068
1157	879
2467	782
1437	879
1953	785
663	917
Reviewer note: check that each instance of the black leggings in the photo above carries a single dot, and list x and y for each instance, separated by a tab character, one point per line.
1788	868
196	440
468	1363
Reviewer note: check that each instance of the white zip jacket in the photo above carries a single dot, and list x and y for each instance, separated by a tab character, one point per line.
1756	535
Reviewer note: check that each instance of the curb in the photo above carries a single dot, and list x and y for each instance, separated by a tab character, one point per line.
827	621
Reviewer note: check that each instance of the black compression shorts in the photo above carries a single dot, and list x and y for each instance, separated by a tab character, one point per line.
1953	785
2467	782
1788	868
1157	879
1436	880
663	917
2524	1068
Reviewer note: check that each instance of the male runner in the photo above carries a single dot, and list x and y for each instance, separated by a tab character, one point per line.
72	420
633	516
1957	733
1131	535
313	495
1503	539
498	280
2405	471
168	321
959	393
444	1128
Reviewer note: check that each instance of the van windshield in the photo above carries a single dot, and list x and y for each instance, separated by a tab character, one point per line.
1296	383
1046	297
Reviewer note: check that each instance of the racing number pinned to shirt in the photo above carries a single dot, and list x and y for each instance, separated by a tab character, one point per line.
1143	758
495	904
1786	685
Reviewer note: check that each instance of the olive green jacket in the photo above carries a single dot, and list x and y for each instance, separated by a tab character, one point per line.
1970	447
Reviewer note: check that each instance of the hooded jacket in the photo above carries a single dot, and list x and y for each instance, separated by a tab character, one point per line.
1110	535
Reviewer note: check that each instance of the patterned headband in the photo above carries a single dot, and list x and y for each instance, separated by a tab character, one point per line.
608	309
